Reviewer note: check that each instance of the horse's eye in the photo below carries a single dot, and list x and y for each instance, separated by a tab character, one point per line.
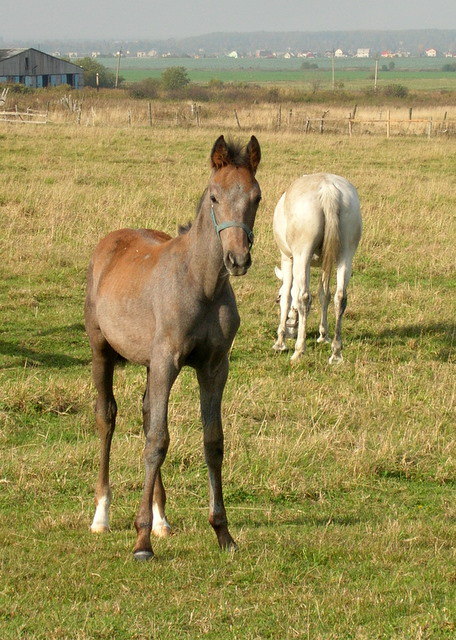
258	199
213	199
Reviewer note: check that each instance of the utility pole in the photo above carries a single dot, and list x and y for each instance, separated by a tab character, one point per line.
119	55
376	75
332	67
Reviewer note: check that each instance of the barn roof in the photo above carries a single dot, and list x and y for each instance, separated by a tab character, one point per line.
5	54
9	53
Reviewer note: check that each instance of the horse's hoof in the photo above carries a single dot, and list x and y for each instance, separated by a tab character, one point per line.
143	556
279	347
321	339
162	531
335	359
229	545
296	357
99	528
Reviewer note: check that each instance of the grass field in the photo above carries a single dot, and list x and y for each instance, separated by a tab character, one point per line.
423	74
339	481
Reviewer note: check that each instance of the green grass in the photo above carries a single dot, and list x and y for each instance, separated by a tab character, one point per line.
339	481
422	74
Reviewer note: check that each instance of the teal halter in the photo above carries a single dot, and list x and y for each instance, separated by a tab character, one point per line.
232	223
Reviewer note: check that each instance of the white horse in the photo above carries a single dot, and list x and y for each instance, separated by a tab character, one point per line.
317	221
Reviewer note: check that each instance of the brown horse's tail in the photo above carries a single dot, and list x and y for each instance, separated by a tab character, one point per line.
330	202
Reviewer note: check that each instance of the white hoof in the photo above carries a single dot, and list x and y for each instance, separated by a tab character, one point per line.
321	339
335	359
280	346
99	528
100	522
162	530
296	357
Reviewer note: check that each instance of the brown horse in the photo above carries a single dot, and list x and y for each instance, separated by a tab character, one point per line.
165	303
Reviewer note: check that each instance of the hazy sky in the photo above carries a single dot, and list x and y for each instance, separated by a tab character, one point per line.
131	19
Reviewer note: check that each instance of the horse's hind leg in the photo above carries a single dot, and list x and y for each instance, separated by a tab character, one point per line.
160	525
340	304
325	295
285	302
301	283
103	361
163	374
211	383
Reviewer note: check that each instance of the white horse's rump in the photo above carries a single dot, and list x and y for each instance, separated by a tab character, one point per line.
317	221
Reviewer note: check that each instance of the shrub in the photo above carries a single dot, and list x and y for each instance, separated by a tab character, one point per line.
147	88
395	91
91	67
19	88
174	78
449	66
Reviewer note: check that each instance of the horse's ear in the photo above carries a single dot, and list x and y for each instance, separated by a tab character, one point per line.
220	154
253	152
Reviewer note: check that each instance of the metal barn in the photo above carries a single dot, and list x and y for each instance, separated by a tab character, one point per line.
37	69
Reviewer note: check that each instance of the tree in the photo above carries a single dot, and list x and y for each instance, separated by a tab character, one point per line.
174	78
91	67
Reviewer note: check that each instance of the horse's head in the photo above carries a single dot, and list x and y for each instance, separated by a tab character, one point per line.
234	195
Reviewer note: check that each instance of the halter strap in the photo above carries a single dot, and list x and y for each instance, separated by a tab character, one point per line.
232	223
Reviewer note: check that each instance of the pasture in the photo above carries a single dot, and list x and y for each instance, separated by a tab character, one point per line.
423	74
339	481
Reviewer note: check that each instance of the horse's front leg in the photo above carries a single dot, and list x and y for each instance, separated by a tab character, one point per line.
160	525
160	381
211	383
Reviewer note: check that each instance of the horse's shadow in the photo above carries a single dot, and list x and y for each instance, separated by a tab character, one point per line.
35	358
300	520
442	333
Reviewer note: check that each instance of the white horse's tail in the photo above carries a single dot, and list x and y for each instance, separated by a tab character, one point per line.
330	202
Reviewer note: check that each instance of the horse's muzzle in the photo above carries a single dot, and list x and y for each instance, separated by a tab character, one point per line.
237	264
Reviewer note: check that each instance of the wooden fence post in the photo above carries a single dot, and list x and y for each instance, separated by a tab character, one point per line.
149	111
237	119
429	133
388	124
323	116
197	115
279	116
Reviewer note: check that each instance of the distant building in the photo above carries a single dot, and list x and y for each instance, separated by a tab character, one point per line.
362	53
338	53
233	54
431	53
264	53
141	54
37	69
